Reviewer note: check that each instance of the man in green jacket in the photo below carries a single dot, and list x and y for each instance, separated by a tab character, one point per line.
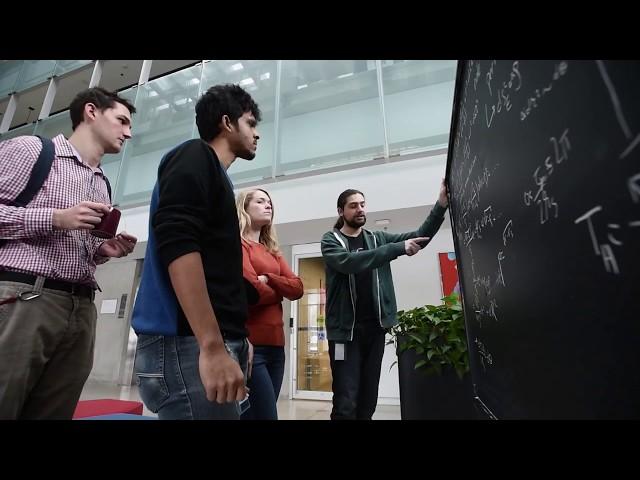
361	301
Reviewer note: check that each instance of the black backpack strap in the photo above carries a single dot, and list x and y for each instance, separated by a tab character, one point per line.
39	173
106	180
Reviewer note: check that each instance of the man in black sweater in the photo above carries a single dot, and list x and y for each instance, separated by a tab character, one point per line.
192	352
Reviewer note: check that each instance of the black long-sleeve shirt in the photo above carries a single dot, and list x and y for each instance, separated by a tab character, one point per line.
196	213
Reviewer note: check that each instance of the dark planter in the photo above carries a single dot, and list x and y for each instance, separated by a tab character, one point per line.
433	397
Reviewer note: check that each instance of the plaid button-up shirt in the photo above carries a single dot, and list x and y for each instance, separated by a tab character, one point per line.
33	245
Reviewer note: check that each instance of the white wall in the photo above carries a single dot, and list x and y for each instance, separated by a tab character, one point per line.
403	184
112	331
417	278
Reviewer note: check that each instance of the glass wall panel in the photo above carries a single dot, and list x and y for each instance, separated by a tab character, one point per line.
35	72
110	170
69	86
64	66
165	117
9	73
16	132
163	67
55	124
28	105
120	74
418	98
330	114
329	111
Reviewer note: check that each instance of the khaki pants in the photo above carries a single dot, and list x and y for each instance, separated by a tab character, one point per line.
46	352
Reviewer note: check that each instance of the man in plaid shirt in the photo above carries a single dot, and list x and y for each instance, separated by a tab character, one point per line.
48	260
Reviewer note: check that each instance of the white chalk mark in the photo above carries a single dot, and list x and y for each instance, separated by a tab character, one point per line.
592	233
614	99
631	146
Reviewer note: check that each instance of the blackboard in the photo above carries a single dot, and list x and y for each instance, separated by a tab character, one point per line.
543	174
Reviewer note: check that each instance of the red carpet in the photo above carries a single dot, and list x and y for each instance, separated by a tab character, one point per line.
106	406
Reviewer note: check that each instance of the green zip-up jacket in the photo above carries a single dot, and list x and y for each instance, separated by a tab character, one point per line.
341	267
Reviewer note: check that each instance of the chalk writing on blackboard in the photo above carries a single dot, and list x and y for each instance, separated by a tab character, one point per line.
503	93
485	357
546	203
507	232
539	94
604	250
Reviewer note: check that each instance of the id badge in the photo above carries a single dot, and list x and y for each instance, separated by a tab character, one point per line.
339	354
243	405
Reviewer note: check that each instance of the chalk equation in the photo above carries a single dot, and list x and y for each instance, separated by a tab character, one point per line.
504	91
605	249
539	94
485	357
547	205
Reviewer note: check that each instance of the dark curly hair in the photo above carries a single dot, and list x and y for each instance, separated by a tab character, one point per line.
220	100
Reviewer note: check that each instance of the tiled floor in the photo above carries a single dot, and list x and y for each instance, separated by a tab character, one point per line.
320	410
287	409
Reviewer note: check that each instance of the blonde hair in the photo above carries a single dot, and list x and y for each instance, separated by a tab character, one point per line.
268	235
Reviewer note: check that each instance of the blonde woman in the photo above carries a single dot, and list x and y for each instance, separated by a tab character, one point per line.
266	269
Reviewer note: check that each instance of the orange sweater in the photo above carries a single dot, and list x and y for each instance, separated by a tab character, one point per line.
265	322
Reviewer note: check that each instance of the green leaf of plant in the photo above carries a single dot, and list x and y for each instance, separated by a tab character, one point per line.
438	330
420	363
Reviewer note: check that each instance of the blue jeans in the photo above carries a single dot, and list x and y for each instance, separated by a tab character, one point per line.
169	383
265	382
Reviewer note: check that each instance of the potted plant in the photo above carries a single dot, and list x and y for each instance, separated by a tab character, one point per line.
433	362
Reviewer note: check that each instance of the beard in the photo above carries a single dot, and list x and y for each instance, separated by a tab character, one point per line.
355	222
246	155
242	151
